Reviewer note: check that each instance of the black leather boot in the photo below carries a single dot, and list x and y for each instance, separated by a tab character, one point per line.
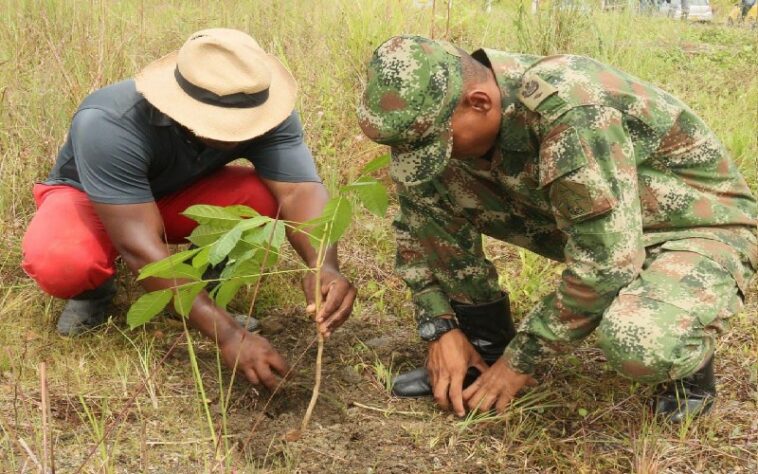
489	328
687	397
87	310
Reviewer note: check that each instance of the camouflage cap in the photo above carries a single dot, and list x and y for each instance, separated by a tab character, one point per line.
414	84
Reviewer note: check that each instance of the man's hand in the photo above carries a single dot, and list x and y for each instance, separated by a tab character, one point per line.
450	357
497	386
301	202
338	296
255	358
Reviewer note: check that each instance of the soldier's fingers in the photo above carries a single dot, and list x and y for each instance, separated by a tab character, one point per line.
488	399
432	376
502	403
481	366
456	394
474	400
440	392
472	389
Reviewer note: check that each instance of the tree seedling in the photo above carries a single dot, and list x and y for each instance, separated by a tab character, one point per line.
249	245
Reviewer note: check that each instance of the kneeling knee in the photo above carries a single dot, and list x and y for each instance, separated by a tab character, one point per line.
630	357
636	357
64	274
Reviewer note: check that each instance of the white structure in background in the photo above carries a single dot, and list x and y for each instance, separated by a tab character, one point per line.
694	10
421	4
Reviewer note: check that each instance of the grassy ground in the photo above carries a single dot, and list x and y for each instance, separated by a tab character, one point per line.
583	418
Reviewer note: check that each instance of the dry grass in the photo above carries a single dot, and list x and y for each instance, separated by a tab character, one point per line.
583	418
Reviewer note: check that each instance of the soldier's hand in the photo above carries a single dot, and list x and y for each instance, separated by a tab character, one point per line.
449	359
497	386
338	296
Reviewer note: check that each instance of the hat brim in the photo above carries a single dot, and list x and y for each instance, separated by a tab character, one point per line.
157	84
416	165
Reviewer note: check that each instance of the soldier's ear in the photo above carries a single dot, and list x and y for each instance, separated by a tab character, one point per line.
478	100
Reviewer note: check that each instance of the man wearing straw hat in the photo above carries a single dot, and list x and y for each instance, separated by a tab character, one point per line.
141	151
578	162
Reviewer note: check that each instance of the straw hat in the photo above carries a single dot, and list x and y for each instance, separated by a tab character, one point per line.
221	85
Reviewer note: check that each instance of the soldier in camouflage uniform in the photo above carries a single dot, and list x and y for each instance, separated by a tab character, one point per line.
578	162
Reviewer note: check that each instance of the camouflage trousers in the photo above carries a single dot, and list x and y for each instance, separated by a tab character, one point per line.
664	325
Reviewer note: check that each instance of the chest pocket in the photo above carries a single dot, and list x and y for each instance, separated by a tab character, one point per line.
576	186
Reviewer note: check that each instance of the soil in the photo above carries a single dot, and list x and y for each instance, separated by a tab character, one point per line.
342	432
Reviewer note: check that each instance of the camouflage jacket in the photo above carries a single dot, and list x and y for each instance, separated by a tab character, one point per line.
591	167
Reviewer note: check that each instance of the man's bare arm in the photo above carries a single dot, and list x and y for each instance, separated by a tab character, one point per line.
301	202
136	231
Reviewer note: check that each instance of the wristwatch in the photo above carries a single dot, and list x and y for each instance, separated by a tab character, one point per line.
433	328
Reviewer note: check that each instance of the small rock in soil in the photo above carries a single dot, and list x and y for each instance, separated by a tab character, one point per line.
271	326
380	343
350	375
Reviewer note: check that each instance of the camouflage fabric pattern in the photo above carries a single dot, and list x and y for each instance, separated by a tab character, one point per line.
593	168
664	324
414	85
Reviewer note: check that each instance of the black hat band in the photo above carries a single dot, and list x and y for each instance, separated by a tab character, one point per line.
238	100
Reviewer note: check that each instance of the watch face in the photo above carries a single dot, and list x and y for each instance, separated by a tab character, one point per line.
426	330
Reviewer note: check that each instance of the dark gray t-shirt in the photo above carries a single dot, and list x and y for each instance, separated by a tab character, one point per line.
122	150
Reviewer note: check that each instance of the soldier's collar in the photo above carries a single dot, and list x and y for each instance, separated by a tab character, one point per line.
509	68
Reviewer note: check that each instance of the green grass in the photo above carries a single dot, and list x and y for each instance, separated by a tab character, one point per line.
582	418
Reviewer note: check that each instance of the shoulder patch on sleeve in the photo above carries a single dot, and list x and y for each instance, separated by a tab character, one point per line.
534	90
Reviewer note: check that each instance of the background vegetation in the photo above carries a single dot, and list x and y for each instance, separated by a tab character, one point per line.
121	385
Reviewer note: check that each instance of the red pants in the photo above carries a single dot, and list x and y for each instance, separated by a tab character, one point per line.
67	250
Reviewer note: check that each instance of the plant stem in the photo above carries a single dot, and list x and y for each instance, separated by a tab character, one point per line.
199	381
320	349
316	385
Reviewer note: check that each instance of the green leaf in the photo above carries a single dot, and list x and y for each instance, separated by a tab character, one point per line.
166	265
179	270
337	214
376	164
201	259
224	245
253	223
185	296
273	231
372	194
147	306
249	270
224	293
242	211
251	258
216	215
207	234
